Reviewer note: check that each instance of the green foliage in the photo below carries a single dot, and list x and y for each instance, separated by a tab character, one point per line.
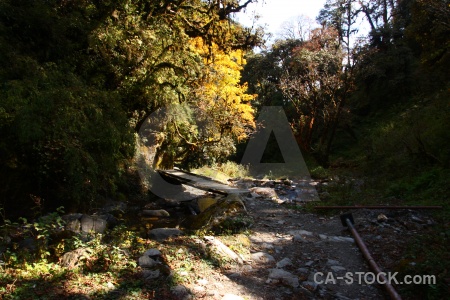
79	77
428	255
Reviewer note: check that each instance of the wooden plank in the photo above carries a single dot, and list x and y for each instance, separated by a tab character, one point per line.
201	182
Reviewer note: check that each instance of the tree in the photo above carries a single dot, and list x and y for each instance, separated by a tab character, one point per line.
313	82
217	112
341	15
297	28
79	76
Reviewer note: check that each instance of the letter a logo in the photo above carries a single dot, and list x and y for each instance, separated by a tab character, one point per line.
273	119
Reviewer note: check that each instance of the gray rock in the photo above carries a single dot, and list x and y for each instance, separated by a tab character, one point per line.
73	258
150	274
267	246
152	252
341	239
180	292
161	234
155	213
284	263
146	262
301	232
298	238
309	285
332	262
92	224
337	269
284	277
323	237
111	221
73	222
262	257
309	263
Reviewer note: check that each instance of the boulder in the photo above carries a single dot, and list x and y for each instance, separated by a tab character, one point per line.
73	222
226	214
152	252
161	234
74	258
146	262
92	224
155	213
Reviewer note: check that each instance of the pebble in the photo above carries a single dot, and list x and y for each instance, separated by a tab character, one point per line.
283	276
337	268
309	285
284	263
309	263
262	257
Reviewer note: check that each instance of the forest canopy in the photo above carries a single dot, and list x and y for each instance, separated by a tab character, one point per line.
80	77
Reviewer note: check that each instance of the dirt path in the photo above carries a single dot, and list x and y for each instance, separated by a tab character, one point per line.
289	249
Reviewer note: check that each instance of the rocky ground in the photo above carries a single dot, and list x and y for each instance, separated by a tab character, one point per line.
292	252
276	246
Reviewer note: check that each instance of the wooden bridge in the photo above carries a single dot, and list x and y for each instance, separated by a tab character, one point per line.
204	183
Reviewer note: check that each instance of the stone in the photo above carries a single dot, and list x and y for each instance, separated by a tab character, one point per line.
265	192
298	238
301	232
146	262
332	262
309	263
73	222
205	202
222	249
262	257
382	218
180	292
284	277
341	239
73	258
111	221
266	246
155	213
227	213
309	285
337	269
150	274
284	263
110	285
161	234
202	281
92	224
323	237
152	252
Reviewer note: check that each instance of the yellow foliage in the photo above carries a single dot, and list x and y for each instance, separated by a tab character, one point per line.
220	93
